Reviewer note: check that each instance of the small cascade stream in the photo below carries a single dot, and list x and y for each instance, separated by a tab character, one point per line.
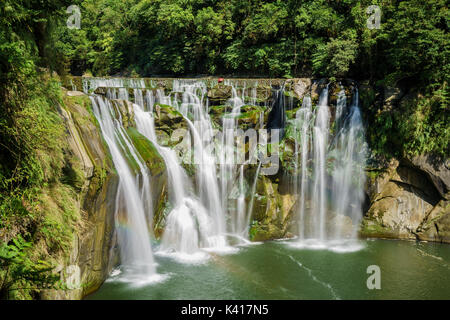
303	130
330	162
133	202
320	148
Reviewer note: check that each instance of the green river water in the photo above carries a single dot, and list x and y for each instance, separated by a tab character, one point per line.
280	270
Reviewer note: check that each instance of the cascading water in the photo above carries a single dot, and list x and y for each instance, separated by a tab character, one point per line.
197	219
320	147
331	169
303	134
193	104
350	153
131	218
228	165
188	225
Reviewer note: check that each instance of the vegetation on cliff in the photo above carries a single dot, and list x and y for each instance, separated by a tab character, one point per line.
39	180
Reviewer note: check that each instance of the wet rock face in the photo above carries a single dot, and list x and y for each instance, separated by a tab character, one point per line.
124	111
168	119
219	94
92	254
272	211
438	172
436	227
277	115
302	87
406	203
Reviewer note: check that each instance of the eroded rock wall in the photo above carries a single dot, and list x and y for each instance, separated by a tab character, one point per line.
92	254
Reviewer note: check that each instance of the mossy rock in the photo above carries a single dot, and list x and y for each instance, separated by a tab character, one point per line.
264	232
168	119
219	94
126	112
80	107
72	83
372	228
249	116
264	93
218	111
148	152
291	114
291	96
73	175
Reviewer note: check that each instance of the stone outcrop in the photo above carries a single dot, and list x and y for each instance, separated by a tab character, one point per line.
407	202
272	211
219	94
301	87
92	254
437	172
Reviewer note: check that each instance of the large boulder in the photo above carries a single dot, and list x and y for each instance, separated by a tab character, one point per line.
168	119
301	87
438	172
436	227
272	211
406	203
219	94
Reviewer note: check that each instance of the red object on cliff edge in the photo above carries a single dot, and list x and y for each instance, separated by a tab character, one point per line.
220	80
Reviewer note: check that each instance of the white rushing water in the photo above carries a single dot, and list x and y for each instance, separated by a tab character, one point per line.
132	196
188	225
320	148
213	209
197	218
303	125
350	152
331	178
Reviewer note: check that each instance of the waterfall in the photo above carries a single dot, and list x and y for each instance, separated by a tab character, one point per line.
277	116
197	220
336	160
204	210
188	225
193	104
303	117
90	84
350	157
320	145
131	218
228	165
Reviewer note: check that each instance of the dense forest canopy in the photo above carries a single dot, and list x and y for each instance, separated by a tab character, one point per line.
259	38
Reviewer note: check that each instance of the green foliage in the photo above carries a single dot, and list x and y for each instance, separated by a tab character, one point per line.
254	229
31	145
260	37
423	124
20	273
334	58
